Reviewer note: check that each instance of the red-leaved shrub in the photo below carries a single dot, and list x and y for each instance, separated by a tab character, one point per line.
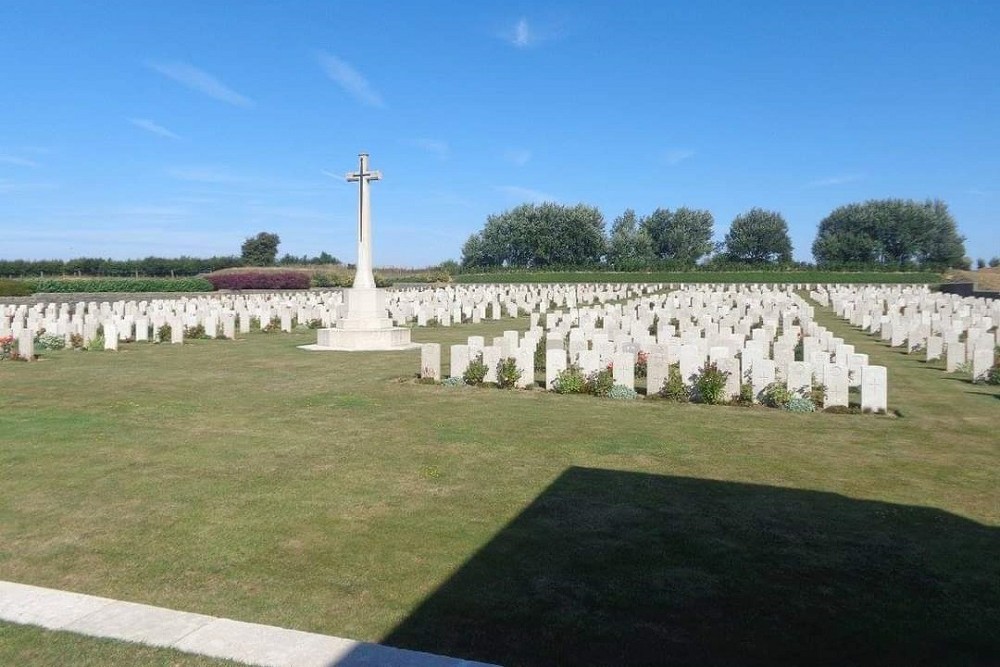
260	280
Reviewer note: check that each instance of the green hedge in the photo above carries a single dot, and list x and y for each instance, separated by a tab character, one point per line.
15	288
805	276
120	285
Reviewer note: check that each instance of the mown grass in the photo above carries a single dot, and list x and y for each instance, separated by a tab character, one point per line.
30	646
770	277
330	492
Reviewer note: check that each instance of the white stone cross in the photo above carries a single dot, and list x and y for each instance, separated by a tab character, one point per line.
363	276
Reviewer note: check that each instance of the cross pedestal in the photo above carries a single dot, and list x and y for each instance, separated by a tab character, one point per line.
362	323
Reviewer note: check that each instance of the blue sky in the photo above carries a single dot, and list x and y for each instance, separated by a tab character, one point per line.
130	129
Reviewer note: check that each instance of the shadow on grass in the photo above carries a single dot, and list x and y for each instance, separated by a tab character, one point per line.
621	568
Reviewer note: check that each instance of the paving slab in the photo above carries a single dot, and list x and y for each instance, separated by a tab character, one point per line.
249	643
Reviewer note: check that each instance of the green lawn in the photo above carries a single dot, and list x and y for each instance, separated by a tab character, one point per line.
791	276
29	646
329	492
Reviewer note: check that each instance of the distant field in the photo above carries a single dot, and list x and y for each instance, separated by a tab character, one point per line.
699	277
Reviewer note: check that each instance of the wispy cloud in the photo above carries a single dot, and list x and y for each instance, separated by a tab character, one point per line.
217	181
12	187
350	80
148	211
150	126
203	174
521	35
675	156
524	34
518	156
526	194
437	148
832	181
17	161
201	81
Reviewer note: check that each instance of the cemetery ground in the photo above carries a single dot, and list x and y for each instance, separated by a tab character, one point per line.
331	492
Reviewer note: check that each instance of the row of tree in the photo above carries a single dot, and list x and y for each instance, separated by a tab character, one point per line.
259	250
892	234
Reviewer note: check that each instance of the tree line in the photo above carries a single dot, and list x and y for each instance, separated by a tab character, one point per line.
891	234
259	250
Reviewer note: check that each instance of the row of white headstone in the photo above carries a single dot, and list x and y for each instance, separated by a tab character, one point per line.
962	330
751	334
223	315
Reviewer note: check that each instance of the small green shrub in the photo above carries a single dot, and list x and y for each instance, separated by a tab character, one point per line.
599	383
746	395
97	342
274	326
44	341
817	394
508	373
570	380
993	374
799	404
776	395
164	333
673	388
475	373
453	382
196	331
315	324
710	384
620	392
540	355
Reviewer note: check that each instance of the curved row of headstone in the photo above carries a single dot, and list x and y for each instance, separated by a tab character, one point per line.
224	315
752	332
962	330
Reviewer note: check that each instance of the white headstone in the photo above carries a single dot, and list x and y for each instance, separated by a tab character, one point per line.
982	360
874	389
955	356
624	369
799	377
459	360
555	363
430	361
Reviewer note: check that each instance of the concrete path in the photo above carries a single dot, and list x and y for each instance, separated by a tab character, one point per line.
249	643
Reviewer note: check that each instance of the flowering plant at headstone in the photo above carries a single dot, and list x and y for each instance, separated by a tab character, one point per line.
641	364
570	380
710	384
599	383
508	373
7	347
673	388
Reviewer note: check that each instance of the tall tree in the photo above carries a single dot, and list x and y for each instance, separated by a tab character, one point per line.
889	232
629	246
260	250
538	235
758	237
682	237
